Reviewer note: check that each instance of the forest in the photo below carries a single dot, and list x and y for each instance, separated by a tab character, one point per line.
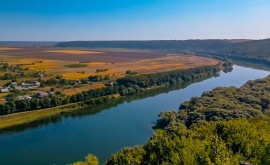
230	142
222	103
224	126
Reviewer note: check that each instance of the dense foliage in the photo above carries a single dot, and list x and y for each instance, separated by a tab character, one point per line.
101	70
214	143
224	126
252	99
76	65
247	50
172	77
89	160
131	72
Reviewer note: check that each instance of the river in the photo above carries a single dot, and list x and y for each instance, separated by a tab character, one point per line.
105	129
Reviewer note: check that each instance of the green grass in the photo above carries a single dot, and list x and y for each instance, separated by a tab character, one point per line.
16	119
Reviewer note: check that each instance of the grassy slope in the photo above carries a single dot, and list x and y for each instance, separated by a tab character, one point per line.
16	119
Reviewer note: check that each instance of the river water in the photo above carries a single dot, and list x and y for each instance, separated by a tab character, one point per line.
105	129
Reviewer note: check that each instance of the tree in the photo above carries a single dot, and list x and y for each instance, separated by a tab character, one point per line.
52	89
89	160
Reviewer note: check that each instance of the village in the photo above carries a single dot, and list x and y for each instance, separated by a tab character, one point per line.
24	86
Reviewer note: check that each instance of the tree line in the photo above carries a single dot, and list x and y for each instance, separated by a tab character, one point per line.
125	86
172	77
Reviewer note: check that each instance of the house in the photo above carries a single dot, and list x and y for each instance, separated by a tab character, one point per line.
40	74
13	84
78	82
24	84
52	93
22	88
36	83
4	90
25	97
42	95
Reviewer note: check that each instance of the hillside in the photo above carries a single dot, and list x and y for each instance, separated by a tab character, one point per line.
245	50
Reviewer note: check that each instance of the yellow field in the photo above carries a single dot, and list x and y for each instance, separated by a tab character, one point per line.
96	63
3	82
7	48
3	94
46	65
171	62
115	70
75	76
100	86
73	52
35	64
150	67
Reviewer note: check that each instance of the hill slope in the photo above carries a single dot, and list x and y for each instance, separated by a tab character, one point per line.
246	50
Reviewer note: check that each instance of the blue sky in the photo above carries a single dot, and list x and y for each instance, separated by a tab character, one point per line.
62	20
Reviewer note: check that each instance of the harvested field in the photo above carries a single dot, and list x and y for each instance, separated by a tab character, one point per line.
62	62
73	52
9	48
115	70
84	55
3	94
75	76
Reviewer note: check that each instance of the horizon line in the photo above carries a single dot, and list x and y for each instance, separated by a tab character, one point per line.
133	40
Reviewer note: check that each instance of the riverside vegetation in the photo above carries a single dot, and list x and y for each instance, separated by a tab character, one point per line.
224	126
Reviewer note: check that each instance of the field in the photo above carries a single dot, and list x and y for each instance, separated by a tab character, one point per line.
8	48
83	55
73	52
115	62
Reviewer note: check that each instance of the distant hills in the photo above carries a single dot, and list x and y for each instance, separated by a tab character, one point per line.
244	50
152	44
28	43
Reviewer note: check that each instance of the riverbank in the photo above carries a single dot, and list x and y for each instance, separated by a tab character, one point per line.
232	122
129	85
12	120
16	122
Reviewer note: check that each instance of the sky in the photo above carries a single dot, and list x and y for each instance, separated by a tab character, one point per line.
67	20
